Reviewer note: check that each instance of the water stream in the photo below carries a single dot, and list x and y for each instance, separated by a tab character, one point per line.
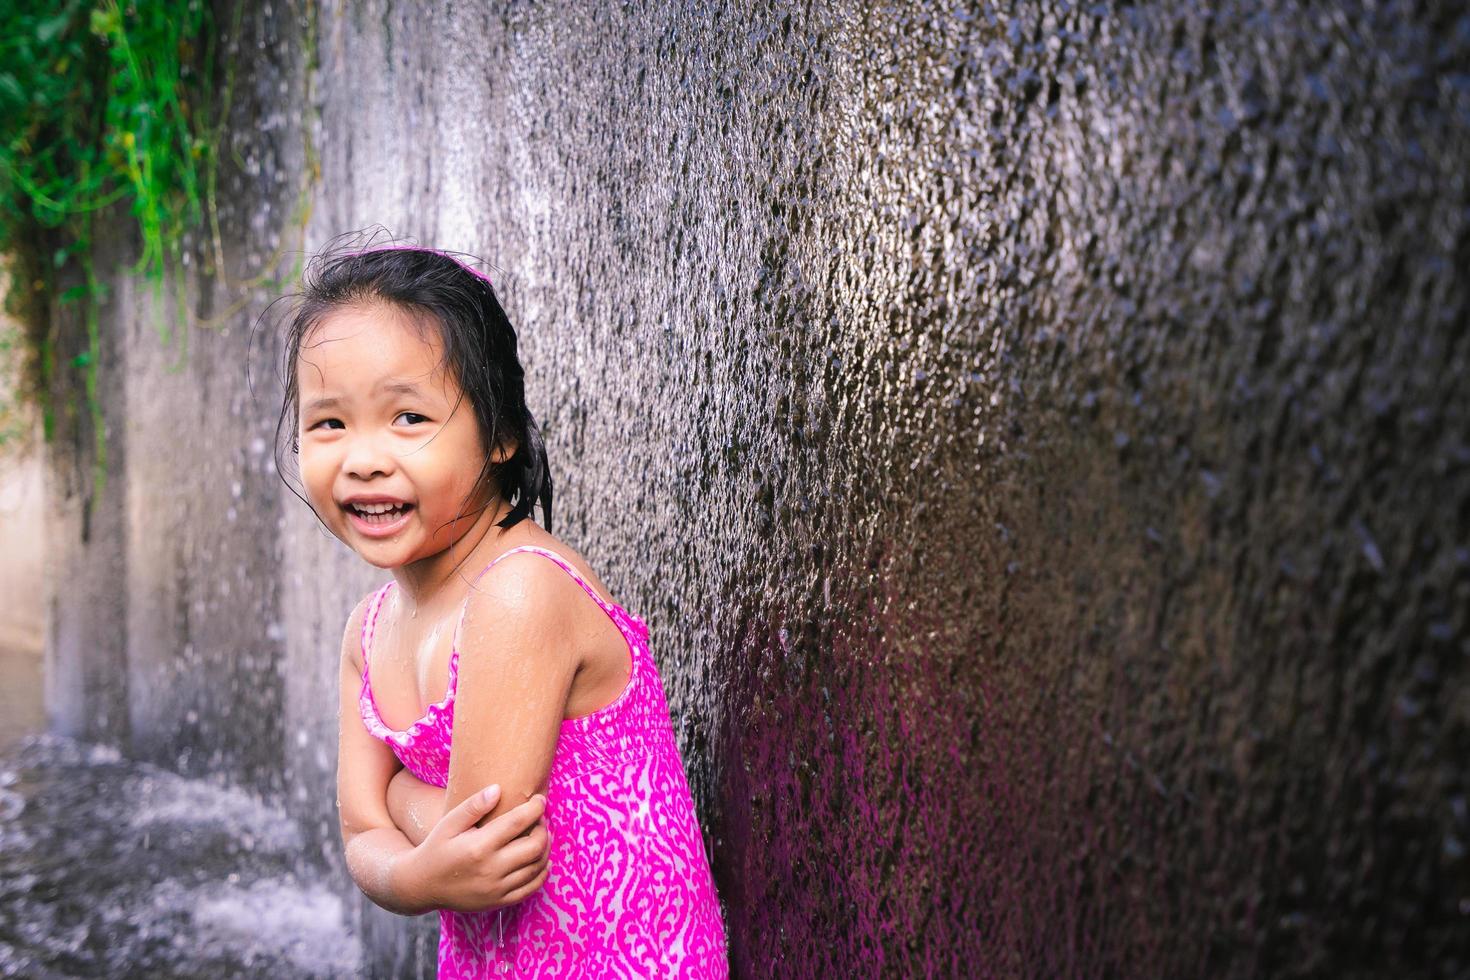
112	868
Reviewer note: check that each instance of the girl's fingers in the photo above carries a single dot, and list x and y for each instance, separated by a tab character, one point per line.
519	878
526	890
470	810
522	853
512	823
539	835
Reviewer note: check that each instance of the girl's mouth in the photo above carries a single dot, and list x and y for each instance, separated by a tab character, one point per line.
379	525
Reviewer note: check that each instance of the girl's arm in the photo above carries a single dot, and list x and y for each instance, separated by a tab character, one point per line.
414	805
516	666
458	865
374	847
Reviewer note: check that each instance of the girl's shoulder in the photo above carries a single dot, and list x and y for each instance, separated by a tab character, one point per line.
536	581
517	576
526	562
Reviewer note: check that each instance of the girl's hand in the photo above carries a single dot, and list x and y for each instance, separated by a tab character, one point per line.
470	869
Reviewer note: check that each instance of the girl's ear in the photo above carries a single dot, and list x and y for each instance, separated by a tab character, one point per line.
504	451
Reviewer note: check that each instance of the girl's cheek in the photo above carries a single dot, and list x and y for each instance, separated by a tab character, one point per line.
318	486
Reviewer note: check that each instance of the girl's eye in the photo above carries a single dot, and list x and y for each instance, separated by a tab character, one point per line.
322	422
416	415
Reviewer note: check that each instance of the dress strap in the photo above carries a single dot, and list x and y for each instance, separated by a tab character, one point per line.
606	606
370	622
566	565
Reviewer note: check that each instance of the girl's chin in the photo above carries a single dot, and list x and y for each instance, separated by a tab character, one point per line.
380	552
379	557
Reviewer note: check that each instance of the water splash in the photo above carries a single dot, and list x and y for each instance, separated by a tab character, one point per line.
114	868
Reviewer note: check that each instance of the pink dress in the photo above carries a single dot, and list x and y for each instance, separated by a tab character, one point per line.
629	892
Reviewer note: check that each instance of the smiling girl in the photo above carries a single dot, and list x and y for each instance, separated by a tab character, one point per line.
494	657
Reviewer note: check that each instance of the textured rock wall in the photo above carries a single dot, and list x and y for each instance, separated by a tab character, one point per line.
1034	436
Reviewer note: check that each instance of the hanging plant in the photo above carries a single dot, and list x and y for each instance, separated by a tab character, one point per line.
93	112
105	104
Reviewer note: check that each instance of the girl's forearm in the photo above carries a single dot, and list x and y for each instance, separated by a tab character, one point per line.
380	861
414	805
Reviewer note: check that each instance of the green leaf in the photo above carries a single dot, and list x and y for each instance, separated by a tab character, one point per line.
104	22
10	88
47	30
82	359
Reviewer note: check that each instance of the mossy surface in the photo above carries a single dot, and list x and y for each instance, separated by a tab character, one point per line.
103	107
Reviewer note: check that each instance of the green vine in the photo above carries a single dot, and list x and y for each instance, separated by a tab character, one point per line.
93	114
105	105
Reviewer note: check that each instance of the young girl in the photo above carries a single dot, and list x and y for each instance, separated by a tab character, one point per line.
494	658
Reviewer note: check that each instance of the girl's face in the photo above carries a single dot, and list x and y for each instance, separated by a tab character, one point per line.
379	428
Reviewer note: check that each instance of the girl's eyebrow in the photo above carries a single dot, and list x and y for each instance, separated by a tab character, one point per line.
392	387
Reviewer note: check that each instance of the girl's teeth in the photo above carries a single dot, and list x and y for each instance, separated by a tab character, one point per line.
380	513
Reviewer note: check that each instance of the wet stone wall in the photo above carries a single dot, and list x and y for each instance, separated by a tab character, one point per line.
1034	435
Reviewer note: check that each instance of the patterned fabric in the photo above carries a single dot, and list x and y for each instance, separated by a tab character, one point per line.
629	892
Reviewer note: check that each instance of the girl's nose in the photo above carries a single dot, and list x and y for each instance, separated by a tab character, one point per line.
366	457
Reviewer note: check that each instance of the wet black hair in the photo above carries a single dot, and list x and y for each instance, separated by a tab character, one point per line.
479	349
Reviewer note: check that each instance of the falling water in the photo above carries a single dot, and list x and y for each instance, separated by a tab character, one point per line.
110	868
